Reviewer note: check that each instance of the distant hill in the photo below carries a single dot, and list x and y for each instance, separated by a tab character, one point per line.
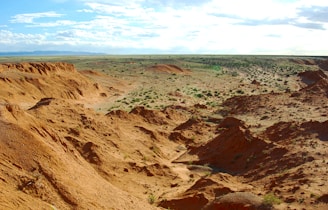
47	53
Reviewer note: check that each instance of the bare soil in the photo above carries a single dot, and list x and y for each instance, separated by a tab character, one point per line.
164	133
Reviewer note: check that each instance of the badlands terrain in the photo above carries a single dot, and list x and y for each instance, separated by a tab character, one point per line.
164	132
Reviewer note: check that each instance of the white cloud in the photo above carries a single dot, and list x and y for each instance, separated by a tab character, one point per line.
235	26
10	38
86	10
29	18
251	9
61	23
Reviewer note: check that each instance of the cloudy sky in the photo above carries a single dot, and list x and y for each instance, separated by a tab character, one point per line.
292	27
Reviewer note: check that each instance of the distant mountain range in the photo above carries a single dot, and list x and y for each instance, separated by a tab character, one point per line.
47	53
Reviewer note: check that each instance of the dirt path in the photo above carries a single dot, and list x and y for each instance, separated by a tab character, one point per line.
115	89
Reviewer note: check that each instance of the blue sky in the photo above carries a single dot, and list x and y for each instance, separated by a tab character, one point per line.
292	27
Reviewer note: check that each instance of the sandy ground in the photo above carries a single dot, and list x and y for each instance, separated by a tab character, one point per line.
162	137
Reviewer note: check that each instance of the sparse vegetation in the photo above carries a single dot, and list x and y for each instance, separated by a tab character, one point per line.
151	198
270	199
244	115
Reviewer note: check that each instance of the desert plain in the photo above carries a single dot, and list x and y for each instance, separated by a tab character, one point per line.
179	132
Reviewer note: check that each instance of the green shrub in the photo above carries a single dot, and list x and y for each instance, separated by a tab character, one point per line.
234	74
151	199
199	95
240	92
271	199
